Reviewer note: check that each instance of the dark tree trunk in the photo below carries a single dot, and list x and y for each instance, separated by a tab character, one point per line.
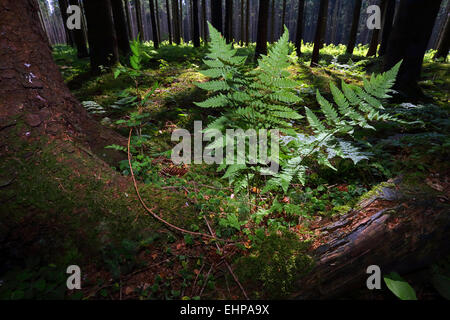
272	22
158	22
229	20
169	22
444	42
79	36
69	34
196	33
320	31
355	24
373	47
283	16
129	23
176	22
102	35
216	15
153	22
43	100
299	35
409	41
247	23
398	235
261	36
204	22
140	25
388	20
181	18
121	27
241	37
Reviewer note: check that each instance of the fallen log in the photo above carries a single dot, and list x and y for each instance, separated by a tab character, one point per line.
399	229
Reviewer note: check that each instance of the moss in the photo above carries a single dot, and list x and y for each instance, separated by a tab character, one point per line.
376	190
276	262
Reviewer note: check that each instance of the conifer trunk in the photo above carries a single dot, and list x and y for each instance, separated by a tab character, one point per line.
320	31
261	36
196	31
153	22
299	35
355	24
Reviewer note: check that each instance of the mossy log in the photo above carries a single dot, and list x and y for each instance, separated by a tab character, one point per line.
401	228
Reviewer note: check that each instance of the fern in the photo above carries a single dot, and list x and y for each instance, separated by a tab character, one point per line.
356	106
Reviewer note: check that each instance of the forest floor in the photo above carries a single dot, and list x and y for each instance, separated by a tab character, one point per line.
60	215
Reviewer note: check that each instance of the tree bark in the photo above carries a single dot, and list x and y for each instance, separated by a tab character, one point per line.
69	34
153	22
388	21
299	35
261	36
241	36
272	22
158	22
169	22
129	23
355	24
102	35
320	32
140	25
79	36
121	27
216	15
395	231
204	22
32	88
229	20
408	42
444	42
176	22
373	47
247	23
283	17
196	29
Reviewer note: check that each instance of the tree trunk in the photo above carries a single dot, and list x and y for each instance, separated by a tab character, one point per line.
409	41
140	25
169	22
247	23
216	15
153	22
272	22
196	33
129	23
444	42
176	22
69	34
32	86
261	36
181	18
373	47
395	230
102	35
298	36
121	27
158	22
388	20
241	36
204	22
283	16
320	32
79	36
355	24
229	20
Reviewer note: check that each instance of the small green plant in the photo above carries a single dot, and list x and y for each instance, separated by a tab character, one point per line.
400	287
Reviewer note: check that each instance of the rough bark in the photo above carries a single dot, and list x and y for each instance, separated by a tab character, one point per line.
79	36
388	21
355	23
129	23
261	36
320	31
444	42
299	35
373	47
102	35
121	27
396	230
408	42
196	29
216	15
153	22
33	91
